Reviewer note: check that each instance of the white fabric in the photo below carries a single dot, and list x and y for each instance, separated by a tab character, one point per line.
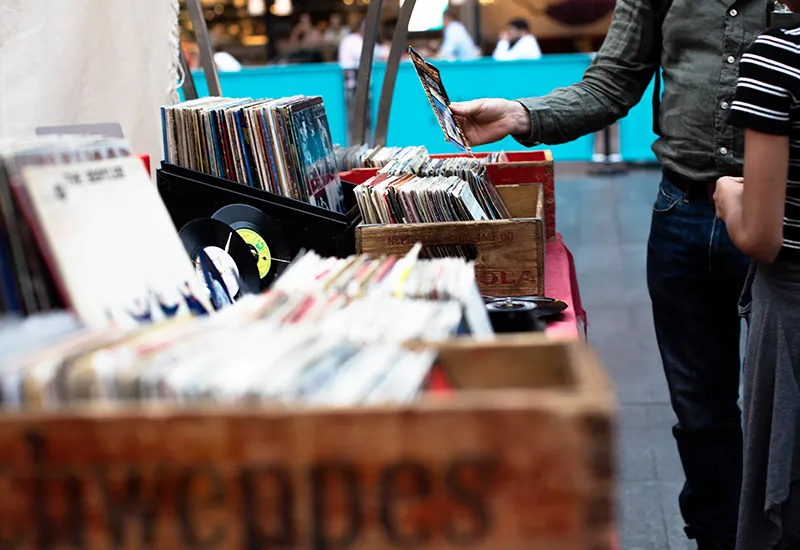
66	62
458	44
526	47
350	51
226	63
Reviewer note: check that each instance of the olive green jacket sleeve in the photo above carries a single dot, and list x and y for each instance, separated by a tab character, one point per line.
611	86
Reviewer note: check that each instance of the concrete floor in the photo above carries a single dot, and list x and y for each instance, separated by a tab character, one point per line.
605	222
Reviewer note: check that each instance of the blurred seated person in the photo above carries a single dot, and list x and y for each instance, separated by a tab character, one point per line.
336	30
351	45
224	61
517	42
305	33
457	44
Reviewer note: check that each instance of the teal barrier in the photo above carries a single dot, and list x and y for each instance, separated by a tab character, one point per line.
324	79
412	121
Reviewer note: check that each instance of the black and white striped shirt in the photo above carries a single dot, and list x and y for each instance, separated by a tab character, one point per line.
768	100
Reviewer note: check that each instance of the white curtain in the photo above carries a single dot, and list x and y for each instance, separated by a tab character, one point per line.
65	62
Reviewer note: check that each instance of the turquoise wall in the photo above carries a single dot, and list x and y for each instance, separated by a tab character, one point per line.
412	121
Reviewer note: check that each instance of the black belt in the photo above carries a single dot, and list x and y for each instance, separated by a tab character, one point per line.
693	190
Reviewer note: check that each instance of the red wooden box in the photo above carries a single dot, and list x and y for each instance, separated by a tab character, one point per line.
522	167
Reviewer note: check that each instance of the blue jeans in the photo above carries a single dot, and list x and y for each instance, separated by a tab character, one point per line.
695	276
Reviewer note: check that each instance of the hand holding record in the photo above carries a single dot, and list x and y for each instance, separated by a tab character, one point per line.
489	120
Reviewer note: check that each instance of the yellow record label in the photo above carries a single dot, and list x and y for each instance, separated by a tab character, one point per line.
260	245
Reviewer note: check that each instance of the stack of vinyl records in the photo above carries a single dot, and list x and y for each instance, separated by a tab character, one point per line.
363	156
282	146
413	189
81	226
329	332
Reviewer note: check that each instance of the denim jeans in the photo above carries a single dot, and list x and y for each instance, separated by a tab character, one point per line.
695	277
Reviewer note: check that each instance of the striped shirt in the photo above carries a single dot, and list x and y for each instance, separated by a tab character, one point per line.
766	101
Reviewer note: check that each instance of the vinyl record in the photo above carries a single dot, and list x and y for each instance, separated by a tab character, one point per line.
264	237
510	315
227	250
544	307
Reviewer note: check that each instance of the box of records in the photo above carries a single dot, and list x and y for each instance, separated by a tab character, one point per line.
502	169
519	455
511	168
453	209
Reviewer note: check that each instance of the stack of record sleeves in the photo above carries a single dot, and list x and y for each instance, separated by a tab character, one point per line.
81	226
413	189
278	145
330	332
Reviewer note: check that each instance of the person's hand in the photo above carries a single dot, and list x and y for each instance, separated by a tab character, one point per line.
728	195
489	120
505	36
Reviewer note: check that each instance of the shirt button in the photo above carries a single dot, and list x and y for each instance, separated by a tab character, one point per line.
731	59
724	105
733	13
723	151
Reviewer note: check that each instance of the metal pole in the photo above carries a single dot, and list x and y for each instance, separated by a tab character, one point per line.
399	41
204	47
364	77
189	89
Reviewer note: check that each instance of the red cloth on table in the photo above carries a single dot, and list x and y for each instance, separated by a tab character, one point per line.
561	282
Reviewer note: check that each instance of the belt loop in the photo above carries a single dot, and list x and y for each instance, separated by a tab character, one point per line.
687	194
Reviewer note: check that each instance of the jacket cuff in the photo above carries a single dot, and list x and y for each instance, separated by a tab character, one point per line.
532	106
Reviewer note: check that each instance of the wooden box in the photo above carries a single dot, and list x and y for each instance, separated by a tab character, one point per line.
520	458
527	166
510	253
522	167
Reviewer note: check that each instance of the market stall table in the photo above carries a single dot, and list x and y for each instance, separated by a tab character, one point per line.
561	282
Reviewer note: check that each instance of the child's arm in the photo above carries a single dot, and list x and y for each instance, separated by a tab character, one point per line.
754	215
769	79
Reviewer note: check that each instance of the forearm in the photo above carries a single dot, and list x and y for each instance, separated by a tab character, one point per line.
502	50
611	86
749	237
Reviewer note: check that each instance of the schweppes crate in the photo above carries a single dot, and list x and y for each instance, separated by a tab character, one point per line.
518	457
509	254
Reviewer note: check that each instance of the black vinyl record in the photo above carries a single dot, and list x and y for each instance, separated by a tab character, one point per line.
263	236
511	315
207	235
543	307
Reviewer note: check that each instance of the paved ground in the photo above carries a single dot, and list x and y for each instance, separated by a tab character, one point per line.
605	222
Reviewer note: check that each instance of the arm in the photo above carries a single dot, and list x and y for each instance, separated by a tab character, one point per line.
502	51
611	86
449	43
762	106
754	218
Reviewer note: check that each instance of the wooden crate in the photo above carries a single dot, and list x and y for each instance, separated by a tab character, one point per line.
526	166
510	253
522	166
520	458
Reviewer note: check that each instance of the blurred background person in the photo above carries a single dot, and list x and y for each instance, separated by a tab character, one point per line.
517	42
336	30
351	45
349	60
225	62
457	45
305	33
